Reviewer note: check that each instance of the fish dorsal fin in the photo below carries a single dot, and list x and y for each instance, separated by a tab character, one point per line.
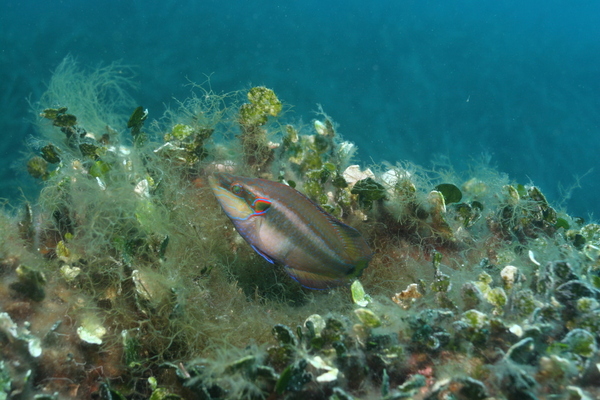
354	243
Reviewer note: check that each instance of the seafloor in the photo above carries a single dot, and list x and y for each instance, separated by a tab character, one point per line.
125	279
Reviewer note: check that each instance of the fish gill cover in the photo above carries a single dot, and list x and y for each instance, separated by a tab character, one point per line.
124	279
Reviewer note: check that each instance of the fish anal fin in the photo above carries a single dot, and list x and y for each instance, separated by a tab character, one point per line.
311	280
263	255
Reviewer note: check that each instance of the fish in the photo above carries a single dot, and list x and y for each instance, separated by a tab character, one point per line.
288	229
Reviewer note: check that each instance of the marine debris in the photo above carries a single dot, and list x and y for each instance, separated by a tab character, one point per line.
125	280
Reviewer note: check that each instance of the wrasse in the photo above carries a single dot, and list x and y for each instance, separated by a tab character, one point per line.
286	228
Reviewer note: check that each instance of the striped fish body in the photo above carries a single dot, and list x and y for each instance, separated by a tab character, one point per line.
287	228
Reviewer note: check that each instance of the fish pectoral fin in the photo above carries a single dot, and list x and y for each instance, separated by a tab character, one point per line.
263	255
311	280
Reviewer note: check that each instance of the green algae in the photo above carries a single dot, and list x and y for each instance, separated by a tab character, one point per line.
252	116
368	318
451	193
467	288
50	154
136	123
37	168
368	191
359	296
5	381
30	283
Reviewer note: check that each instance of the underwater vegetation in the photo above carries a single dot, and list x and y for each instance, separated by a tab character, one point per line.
129	279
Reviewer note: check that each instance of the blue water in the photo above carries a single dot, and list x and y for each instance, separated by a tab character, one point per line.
406	80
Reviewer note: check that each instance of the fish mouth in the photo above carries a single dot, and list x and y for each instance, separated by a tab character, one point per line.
219	180
212	182
234	206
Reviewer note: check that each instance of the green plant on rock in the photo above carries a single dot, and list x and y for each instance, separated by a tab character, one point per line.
525	214
252	117
187	143
135	123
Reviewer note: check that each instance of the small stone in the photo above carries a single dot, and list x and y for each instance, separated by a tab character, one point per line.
320	128
328	376
413	384
581	342
284	335
475	319
69	273
408	296
471	389
471	295
7	326
142	189
510	275
441	282
31	283
359	296
568	293
516	330
587	304
34	345
181	131
91	331
475	187
522	352
318	323
37	167
524	302
497	297
368	318
576	393
353	174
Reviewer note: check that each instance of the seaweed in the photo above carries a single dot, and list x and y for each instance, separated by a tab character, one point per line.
125	279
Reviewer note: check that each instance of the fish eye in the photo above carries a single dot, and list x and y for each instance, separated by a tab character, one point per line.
236	189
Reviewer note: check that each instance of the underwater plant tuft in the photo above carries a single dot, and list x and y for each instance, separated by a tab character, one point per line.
125	279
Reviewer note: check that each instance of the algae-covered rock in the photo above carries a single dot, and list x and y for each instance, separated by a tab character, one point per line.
31	283
37	167
581	342
127	266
